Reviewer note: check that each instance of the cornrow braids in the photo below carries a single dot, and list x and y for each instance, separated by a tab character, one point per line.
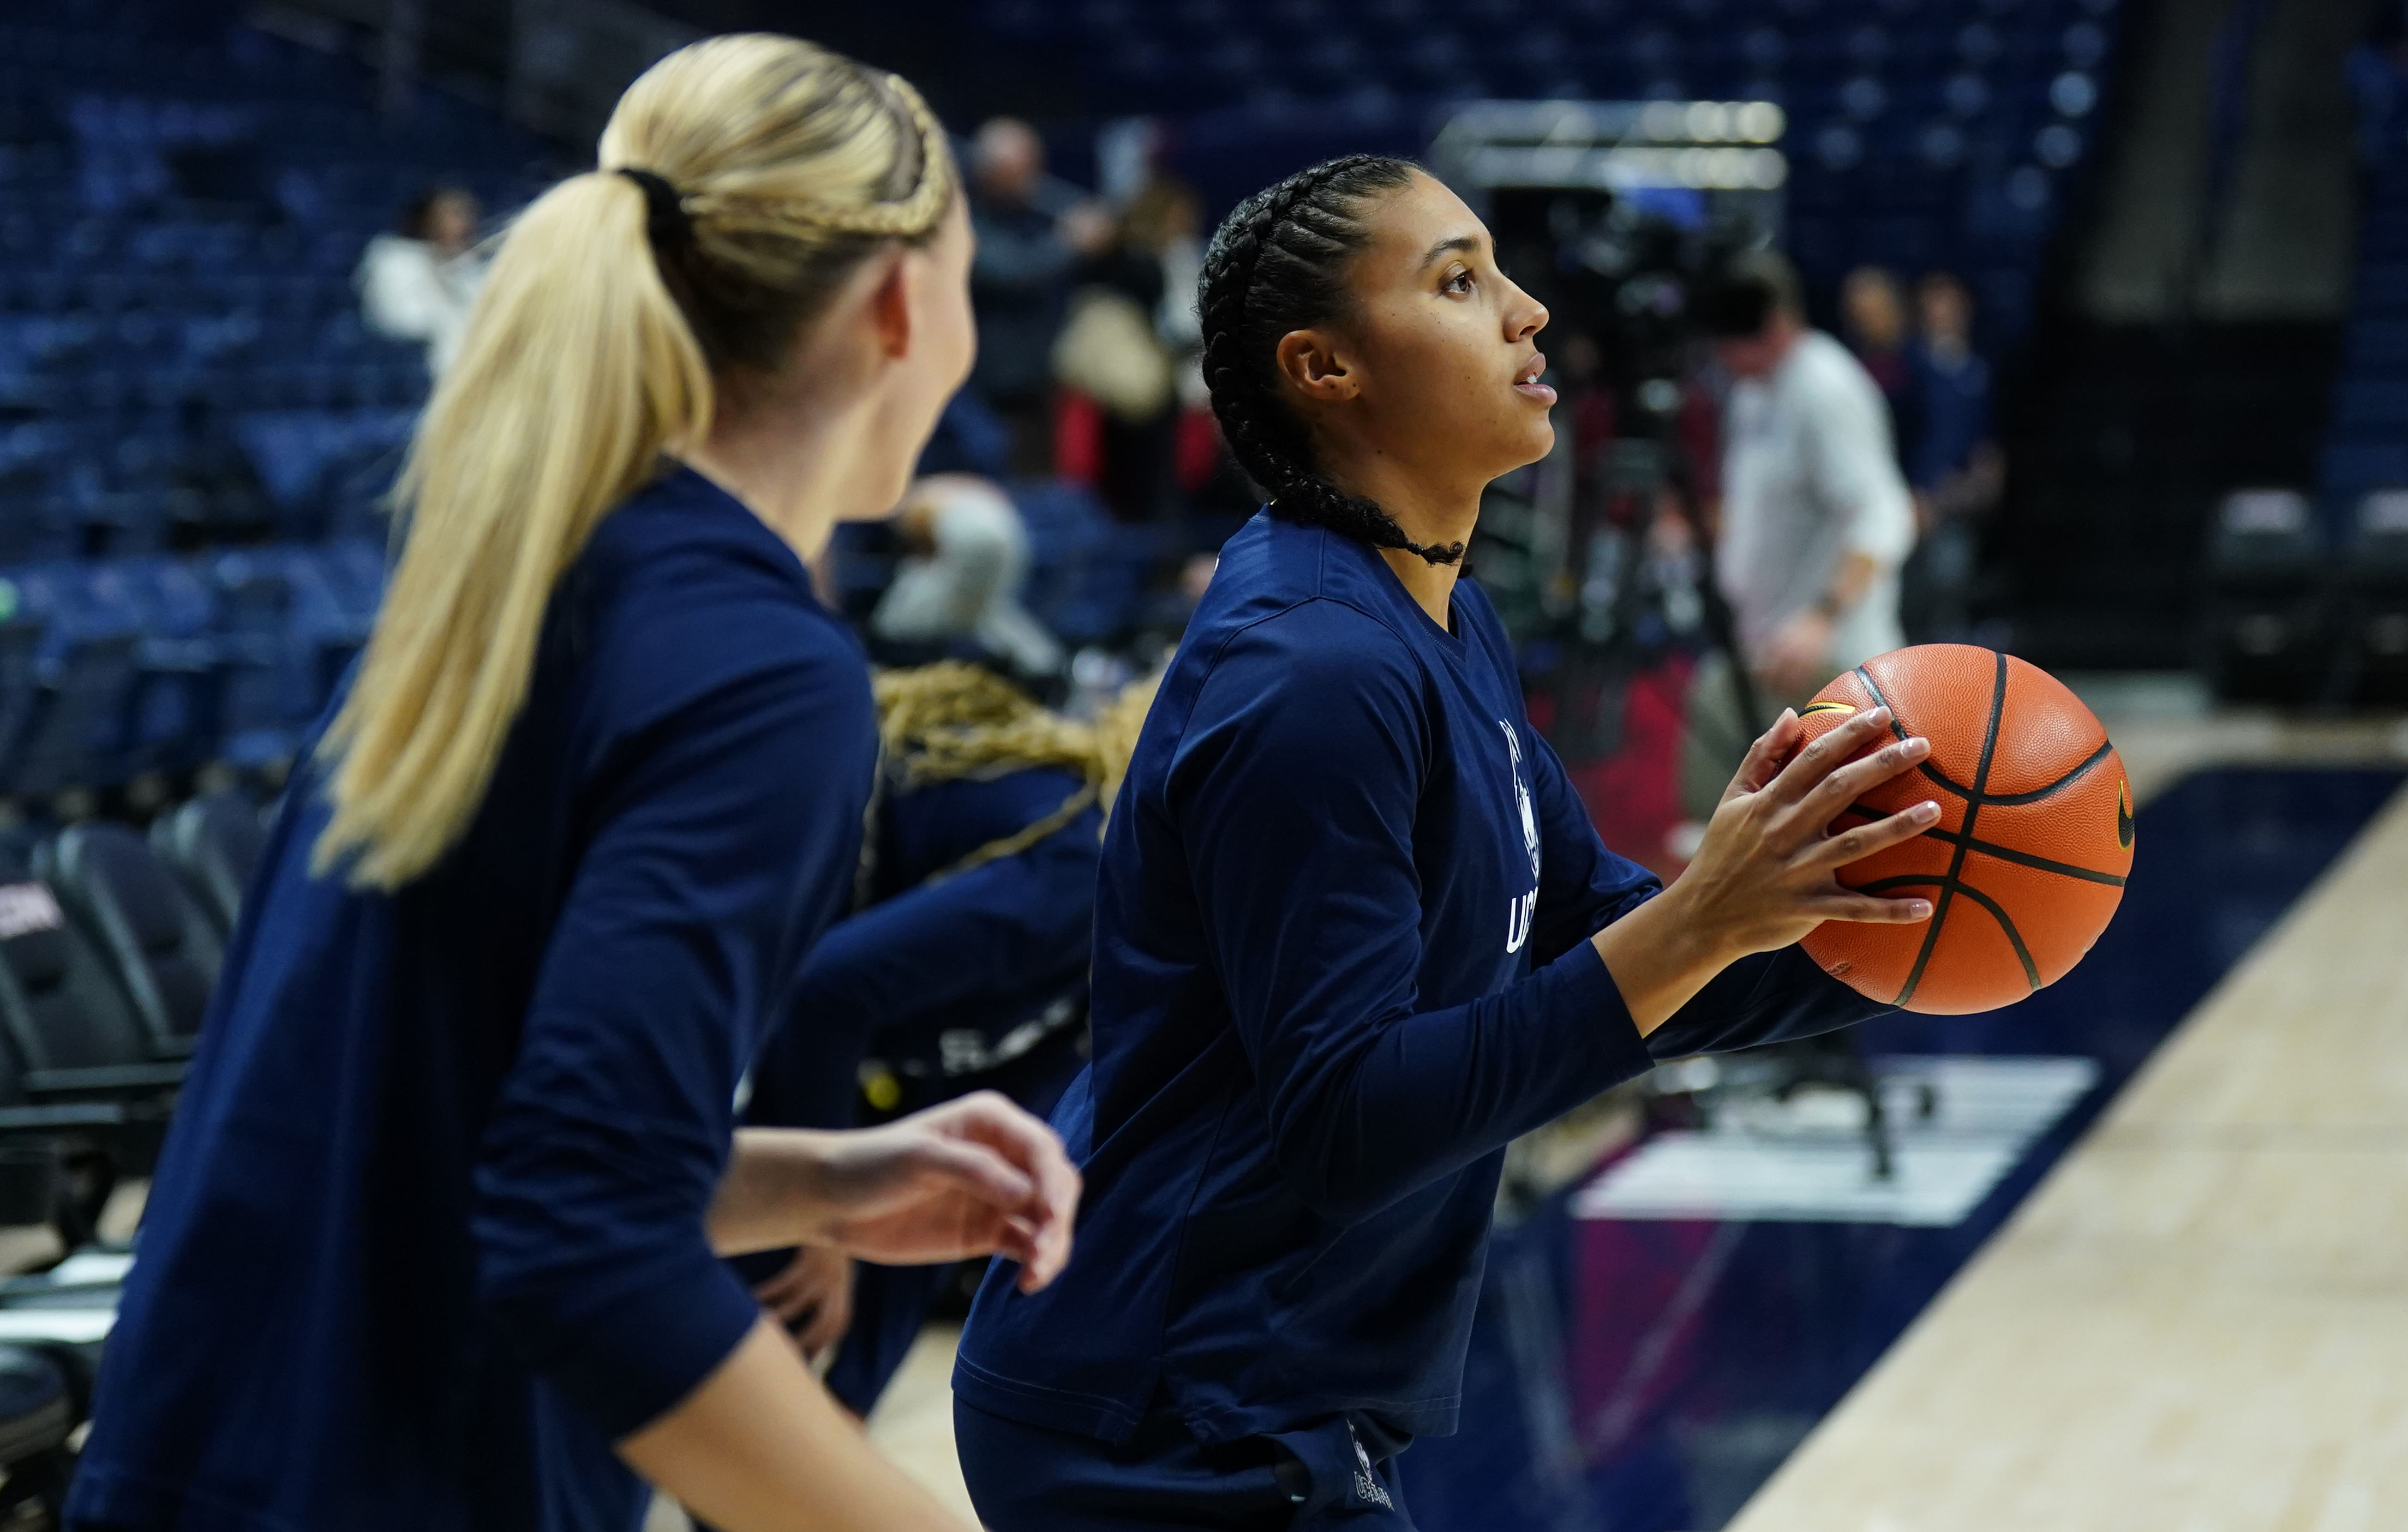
1277	263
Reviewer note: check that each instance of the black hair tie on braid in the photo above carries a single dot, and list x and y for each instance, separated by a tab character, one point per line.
666	222
1276	265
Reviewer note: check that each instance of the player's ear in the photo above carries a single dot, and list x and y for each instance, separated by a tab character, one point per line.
1312	363
890	309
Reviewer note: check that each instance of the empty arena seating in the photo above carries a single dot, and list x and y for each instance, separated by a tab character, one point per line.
2374	598
212	842
38	1410
163	950
1920	134
2267	614
194	426
2367	445
77	1072
183	374
111	667
2363	475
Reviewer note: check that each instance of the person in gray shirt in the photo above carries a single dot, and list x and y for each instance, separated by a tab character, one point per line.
1816	520
1033	231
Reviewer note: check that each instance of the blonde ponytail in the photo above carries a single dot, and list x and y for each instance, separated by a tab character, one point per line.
592	351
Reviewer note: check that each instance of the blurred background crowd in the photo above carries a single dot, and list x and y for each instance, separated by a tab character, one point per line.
2099	285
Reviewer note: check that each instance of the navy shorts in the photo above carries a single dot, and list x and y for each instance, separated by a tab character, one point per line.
1030	1478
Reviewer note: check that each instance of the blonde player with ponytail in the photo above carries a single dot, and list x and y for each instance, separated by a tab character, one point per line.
435	1243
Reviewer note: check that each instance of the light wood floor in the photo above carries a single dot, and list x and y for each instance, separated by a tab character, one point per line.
2200	1321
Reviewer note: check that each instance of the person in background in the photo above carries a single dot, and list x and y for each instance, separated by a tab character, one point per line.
1137	296
1815	518
419	282
1873	320
961	581
1953	466
1167	217
1032	231
962	967
1952	387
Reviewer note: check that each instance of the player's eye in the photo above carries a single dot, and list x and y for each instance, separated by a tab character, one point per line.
1457	282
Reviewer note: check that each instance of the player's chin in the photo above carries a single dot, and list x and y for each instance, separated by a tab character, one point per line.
1524	441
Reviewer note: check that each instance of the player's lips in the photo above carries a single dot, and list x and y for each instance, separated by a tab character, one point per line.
1526	382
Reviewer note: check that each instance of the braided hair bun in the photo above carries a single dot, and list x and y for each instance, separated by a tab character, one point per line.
1277	263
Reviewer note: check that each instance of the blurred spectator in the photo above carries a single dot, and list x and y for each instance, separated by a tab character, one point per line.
968	438
419	282
1167	217
1589	404
1119	349
1032	233
961	584
1952	387
1953	466
1815	518
1873	320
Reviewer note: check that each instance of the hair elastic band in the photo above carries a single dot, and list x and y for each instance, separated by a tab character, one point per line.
666	220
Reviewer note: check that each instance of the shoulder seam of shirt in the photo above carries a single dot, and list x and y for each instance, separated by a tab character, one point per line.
1235	634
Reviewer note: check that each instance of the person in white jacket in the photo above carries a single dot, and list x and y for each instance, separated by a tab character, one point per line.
1816	516
962	581
419	282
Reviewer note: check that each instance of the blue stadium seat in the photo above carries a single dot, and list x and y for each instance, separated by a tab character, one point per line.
213	842
319	466
2383	290
2349	467
2371	404
157	943
2377	347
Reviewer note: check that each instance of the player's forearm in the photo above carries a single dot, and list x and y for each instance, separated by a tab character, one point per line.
760	1447
1660	958
774	1192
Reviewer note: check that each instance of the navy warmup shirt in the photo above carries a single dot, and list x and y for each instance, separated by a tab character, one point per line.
976	979
428	1232
973	956
1341	959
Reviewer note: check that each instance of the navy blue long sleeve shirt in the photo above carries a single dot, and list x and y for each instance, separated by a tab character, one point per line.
982	950
1340	962
428	1234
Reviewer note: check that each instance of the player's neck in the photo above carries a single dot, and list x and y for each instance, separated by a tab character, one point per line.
1431	514
800	469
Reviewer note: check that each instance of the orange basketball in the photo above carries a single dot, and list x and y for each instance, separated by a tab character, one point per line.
2028	862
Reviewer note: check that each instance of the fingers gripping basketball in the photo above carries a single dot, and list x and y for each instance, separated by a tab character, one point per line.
2034	841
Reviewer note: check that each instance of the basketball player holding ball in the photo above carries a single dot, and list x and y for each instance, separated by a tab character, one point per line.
1355	930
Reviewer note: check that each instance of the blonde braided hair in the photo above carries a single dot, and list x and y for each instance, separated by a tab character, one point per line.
950	720
736	205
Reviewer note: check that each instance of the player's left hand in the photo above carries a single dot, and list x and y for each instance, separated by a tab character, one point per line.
976	1176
